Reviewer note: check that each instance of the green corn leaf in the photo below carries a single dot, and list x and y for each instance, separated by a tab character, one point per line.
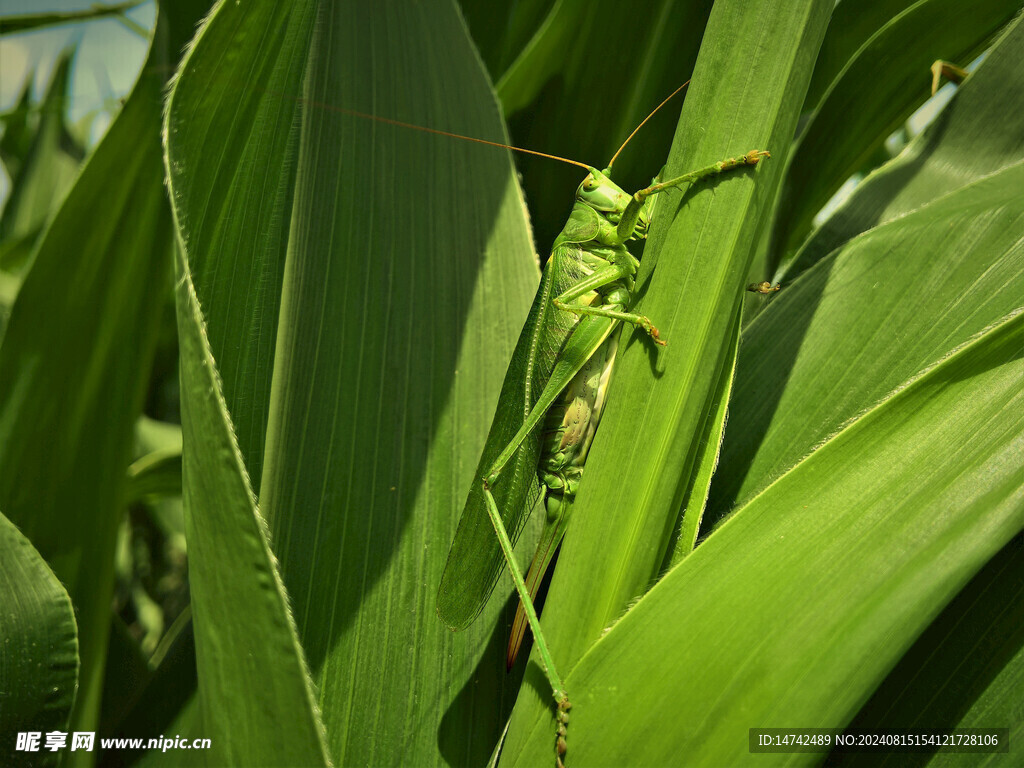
31	21
852	121
975	135
43	174
885	521
17	136
643	457
155	474
965	670
852	25
38	648
360	286
256	642
75	360
708	448
502	30
822	354
810	517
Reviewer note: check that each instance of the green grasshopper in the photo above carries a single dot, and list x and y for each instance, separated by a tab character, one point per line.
551	402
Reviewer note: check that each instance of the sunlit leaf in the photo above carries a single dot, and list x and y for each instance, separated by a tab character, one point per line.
864	322
886	521
964	671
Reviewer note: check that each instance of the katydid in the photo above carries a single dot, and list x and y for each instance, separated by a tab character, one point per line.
551	401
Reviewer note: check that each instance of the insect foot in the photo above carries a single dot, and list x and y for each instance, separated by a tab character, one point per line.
753	157
763	287
655	334
563	727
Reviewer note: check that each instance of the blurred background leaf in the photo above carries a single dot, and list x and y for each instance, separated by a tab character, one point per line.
76	359
28	21
42	162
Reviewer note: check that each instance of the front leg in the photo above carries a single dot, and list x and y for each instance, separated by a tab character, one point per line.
627	224
615	312
615	302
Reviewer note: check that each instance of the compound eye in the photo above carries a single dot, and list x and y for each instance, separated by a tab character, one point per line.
590	184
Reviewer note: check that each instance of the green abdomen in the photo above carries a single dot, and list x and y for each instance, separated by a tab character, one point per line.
571	422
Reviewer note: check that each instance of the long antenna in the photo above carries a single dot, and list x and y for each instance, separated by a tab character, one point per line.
400	124
655	110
